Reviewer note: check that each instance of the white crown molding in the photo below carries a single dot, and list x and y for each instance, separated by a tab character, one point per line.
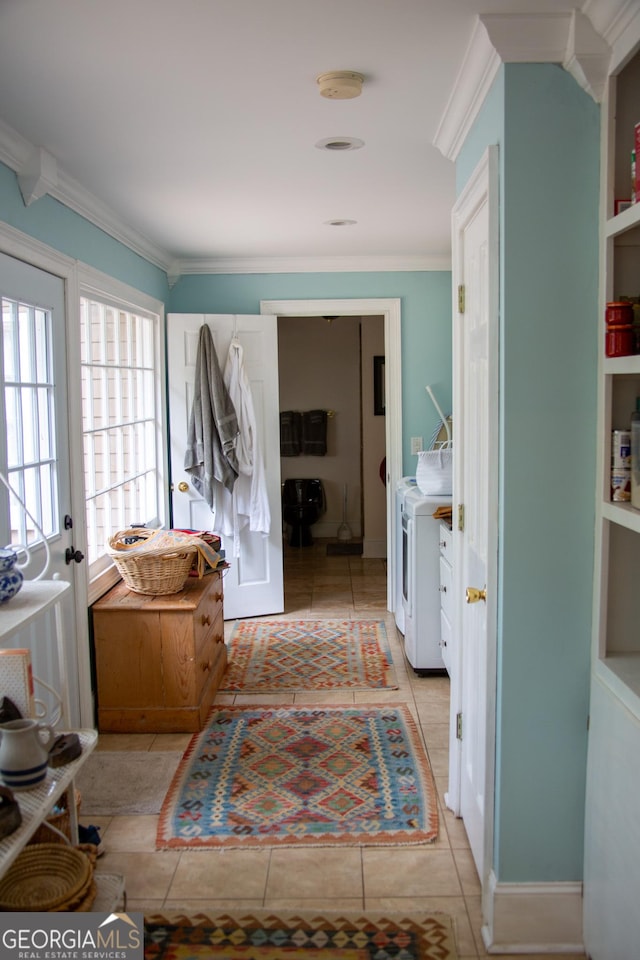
366	264
569	38
35	168
38	174
478	71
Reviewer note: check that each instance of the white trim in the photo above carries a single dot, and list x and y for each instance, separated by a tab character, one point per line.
18	154
359	264
21	156
391	310
533	918
478	71
582	44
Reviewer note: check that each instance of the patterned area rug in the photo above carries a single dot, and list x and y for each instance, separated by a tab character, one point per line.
299	655
263	935
302	776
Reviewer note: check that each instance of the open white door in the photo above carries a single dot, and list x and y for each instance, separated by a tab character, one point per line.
475	418
253	586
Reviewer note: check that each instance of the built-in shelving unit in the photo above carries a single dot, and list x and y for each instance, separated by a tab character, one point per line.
612	840
617	600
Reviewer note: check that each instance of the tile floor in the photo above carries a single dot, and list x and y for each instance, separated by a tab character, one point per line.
438	876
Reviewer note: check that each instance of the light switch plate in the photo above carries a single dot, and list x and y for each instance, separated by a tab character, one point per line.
416	444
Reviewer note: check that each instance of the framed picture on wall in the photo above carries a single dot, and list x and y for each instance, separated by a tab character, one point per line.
378	387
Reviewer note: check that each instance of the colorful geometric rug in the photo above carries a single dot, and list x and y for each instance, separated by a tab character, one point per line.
302	776
299	655
267	935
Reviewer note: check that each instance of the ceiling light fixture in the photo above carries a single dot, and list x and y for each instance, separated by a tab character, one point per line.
340	84
340	143
340	223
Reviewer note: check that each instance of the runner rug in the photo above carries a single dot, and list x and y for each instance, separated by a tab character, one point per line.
267	935
302	776
298	655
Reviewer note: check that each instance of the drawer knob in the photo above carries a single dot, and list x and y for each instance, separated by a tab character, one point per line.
205	619
443	543
443	589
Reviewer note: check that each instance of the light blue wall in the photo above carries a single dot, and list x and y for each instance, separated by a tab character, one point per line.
547	129
56	225
425	296
426	324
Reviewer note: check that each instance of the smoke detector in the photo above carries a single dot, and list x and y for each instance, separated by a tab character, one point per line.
340	84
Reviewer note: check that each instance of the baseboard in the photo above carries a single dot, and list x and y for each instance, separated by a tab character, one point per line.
374	549
533	918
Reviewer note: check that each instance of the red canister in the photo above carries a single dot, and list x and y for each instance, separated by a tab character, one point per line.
619	313
619	341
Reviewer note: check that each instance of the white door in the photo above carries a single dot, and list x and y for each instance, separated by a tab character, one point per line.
475	418
34	458
253	584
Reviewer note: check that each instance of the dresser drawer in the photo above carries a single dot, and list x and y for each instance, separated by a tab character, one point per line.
445	542
446	587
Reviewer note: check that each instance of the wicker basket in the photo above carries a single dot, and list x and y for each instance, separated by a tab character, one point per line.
61	821
152	572
47	877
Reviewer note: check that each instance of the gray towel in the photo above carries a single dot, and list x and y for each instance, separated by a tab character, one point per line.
314	433
290	433
210	456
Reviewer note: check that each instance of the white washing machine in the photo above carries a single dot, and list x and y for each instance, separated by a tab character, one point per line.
421	580
402	488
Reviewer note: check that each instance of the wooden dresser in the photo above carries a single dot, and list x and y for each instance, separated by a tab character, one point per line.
159	659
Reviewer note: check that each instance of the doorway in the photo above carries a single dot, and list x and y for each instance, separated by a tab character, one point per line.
389	309
327	372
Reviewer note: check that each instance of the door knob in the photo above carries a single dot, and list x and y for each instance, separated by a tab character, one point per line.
71	555
183	486
473	594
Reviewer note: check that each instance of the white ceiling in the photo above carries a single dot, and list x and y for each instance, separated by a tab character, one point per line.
195	121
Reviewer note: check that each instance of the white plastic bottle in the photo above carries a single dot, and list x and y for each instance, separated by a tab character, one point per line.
635	456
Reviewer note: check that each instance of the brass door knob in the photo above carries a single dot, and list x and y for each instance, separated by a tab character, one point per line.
183	486
473	594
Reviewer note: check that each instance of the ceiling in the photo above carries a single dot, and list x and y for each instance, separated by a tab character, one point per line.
195	122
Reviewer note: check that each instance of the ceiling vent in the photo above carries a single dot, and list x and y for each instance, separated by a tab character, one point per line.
340	84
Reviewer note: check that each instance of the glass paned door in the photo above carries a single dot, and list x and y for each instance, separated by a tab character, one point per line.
35	457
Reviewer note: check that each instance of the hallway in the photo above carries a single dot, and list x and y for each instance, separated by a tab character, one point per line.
438	876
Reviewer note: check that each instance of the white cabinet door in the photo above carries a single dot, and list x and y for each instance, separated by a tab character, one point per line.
253	586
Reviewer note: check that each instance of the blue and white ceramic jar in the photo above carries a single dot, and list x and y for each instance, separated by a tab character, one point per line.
10	577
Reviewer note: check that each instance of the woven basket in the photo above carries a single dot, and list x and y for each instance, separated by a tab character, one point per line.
151	572
61	821
47	877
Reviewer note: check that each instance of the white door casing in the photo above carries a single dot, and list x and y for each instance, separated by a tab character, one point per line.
253	585
475	236
43	286
389	308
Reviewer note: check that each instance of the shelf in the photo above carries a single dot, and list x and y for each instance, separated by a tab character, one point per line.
622	222
622	365
34	598
36	803
620	672
623	514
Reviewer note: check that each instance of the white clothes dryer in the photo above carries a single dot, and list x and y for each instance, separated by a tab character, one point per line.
403	486
421	580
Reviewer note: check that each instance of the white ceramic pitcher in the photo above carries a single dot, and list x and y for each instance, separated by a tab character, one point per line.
24	752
